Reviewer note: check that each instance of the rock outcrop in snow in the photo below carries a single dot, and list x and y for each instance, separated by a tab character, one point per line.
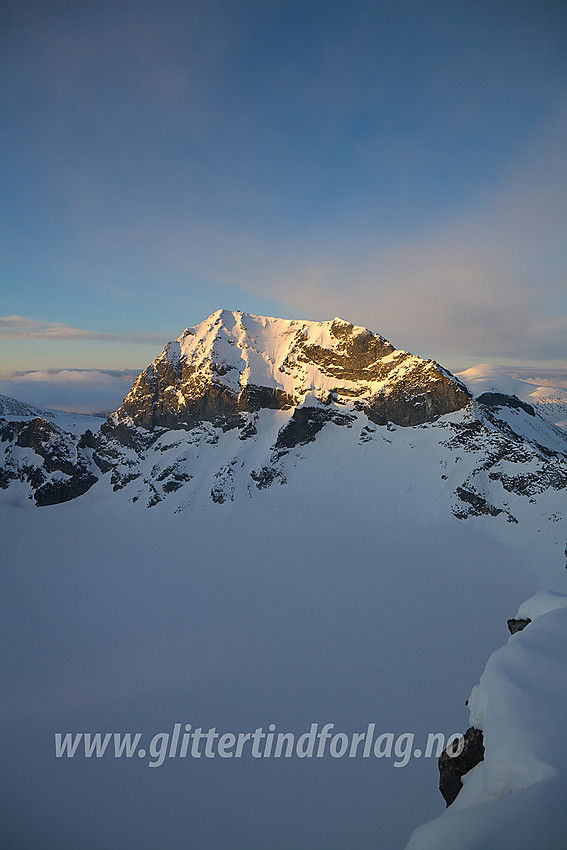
456	761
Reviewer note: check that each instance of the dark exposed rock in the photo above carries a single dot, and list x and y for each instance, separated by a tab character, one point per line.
8	430
4	479
516	625
248	431
503	400
219	495
265	476
175	393
478	503
48	441
424	393
358	358
172	485
453	767
173	479
87	440
347	392
126	435
102	464
514	432
34	475
305	424
504	457
531	483
223	491
119	481
423	398
55	492
199	387
150	407
182	396
254	398
96	443
366	434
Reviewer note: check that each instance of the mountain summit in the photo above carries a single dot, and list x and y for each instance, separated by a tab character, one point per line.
234	363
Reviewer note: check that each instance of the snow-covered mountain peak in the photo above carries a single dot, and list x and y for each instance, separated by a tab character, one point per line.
234	362
238	403
275	341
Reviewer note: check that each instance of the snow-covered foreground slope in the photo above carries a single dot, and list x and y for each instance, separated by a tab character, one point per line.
309	605
515	797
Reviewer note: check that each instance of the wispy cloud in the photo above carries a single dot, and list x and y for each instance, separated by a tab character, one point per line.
26	327
540	377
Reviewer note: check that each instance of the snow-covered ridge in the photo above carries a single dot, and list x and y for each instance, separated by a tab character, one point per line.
12	408
549	402
74	423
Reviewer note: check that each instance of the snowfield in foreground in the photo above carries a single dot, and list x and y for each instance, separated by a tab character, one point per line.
294	608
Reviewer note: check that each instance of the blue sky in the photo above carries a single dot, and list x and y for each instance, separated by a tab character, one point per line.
400	164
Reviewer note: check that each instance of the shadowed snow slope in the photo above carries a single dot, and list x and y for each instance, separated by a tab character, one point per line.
311	604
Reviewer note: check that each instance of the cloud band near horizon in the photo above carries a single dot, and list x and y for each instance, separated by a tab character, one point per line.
26	327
